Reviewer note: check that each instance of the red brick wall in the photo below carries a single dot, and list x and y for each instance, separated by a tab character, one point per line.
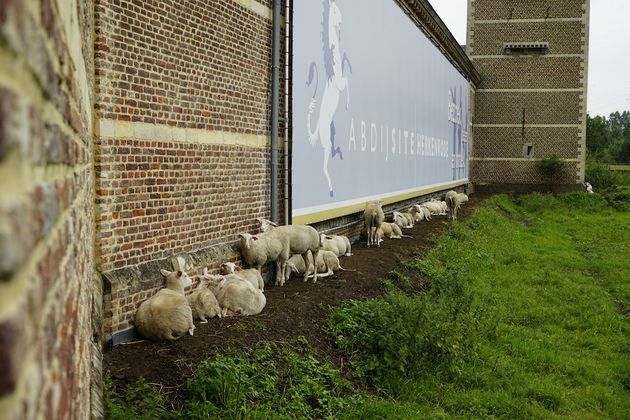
48	288
182	157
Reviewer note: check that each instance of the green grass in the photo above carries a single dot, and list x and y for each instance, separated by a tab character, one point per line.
546	327
527	316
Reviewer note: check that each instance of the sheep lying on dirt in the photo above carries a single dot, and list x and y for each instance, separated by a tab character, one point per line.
235	294
392	231
301	238
203	303
327	263
339	244
373	217
403	220
252	275
434	207
166	315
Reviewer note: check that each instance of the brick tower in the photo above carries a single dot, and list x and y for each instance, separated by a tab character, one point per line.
531	103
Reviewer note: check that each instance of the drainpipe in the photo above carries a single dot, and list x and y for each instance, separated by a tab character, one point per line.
275	91
287	69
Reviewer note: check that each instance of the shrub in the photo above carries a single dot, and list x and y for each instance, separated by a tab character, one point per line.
138	400
551	166
619	198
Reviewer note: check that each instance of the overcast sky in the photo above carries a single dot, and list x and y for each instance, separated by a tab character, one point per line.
609	54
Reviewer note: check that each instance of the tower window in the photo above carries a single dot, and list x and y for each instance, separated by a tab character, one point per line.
525	47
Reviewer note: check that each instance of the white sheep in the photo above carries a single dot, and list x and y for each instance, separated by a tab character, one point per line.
403	220
434	207
392	231
454	200
166	315
589	187
252	275
203	303
235	294
266	247
327	263
339	244
373	217
300	240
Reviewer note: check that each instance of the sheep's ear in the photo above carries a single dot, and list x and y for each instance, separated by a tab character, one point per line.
179	274
165	273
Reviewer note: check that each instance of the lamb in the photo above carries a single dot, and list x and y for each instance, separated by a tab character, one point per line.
294	239
166	315
252	275
203	303
235	295
392	231
339	244
373	217
327	263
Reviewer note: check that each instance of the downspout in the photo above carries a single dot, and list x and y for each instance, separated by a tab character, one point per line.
287	74
275	88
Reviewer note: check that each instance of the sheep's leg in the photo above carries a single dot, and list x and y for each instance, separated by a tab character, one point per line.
315	254
202	319
279	273
307	265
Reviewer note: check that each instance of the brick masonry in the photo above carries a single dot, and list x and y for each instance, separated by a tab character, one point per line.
550	87
48	287
183	147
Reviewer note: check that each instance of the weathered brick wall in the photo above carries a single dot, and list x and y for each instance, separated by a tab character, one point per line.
183	151
48	288
550	87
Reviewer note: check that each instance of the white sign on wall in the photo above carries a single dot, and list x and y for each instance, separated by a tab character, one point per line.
378	110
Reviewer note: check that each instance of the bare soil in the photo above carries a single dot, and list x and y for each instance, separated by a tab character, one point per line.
295	309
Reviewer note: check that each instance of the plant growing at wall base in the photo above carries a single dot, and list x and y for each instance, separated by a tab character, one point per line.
551	166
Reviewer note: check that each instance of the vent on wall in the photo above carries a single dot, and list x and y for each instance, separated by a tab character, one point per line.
525	47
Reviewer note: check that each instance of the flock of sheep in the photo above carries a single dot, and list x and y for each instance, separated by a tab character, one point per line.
295	249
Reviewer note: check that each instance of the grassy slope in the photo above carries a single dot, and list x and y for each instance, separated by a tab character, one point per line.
528	317
555	280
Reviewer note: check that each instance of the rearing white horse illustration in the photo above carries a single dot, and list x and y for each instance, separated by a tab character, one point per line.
336	82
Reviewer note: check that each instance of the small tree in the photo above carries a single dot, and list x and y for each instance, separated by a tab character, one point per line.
551	166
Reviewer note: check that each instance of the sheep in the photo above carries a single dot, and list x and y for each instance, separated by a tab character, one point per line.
392	231
301	239
433	206
166	315
252	275
235	295
403	220
589	187
260	249
203	303
339	244
454	200
327	263
373	217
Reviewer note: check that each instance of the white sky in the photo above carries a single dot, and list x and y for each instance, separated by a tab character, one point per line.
609	53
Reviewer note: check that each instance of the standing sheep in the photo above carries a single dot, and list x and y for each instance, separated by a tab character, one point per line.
266	247
166	315
373	217
454	201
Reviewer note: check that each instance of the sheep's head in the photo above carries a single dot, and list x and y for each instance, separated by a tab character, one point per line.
229	268
265	224
247	240
180	277
215	281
